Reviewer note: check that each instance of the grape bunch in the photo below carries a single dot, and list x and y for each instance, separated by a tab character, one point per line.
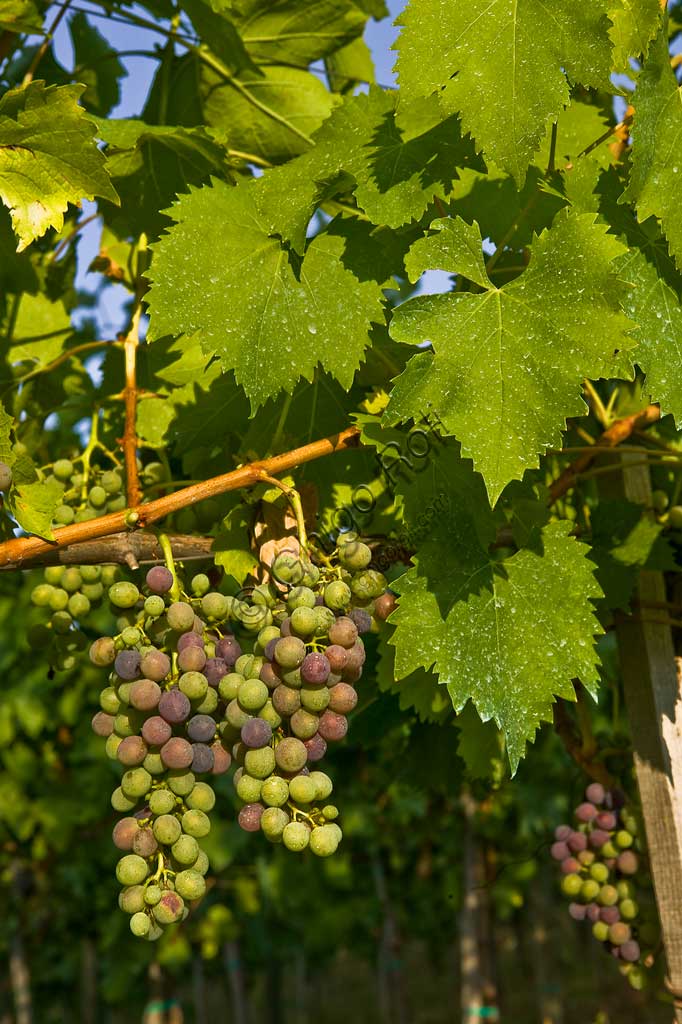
158	718
288	704
601	865
68	593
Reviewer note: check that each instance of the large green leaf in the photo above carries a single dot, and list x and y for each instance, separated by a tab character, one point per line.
296	31
656	178
40	331
508	363
516	645
48	157
634	25
20	16
270	321
504	64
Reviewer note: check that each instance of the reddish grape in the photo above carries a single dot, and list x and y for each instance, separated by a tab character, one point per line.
155	665
593	912
577	842
250	816
177	753
221	758
192	659
342	698
570	866
630	951
578	911
228	649
315	668
201	728
127	664
145	695
562	832
174	706
203	758
595	793
316	747
606	820
124	832
598	837
214	670
362	619
627	862
332	727
256	733
343	632
131	751
156	731
159	579
559	851
102	724
384	605
586	812
337	656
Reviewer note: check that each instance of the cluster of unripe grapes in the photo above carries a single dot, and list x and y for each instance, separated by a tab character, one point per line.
601	865
68	593
184	699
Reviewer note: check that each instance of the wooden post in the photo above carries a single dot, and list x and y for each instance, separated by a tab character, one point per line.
654	707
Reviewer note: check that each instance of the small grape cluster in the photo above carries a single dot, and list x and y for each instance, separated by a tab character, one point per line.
294	700
68	593
600	861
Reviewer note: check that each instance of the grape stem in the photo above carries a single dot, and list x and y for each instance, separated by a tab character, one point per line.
294	499
129	439
93	442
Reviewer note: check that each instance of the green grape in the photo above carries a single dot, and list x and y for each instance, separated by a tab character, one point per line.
120	802
599	872
190	884
609	850
303	621
252	695
275	791
200	584
600	930
324	840
97	496
624	839
131	899
202	797
193	684
79	606
117	504
337	595
154	605
169	908
40	595
589	890
111	745
111	481
314	698
131	869
235	715
270	715
136	782
53	574
124	595
180	616
349	537
330	812
323	785
64	515
325	619
154	764
93	591
267	634
201	864
659	500
58	599
290	652
290	754
214	606
63	469
368	584
152	895
302	789
571	885
162	801
249	789
628	909
249	666
296	836
154	473
90	573
185	849
140	924
273	822
208	704
608	895
102	652
131	636
85	514
287	568
259	763
355	555
71	580
167	829
61	622
301	597
181	781
228	687
196	823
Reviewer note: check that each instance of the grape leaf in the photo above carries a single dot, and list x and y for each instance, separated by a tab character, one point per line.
505	103
525	347
231	546
20	16
514	646
33	505
269	324
656	310
40	331
656	176
480	743
417	692
348	67
48	157
296	32
624	540
634	25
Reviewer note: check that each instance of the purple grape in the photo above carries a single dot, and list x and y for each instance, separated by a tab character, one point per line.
256	733
316	747
214	670
174	706
609	915
177	753
270	676
221	758
228	649
332	727
363	620
595	793
315	668
156	731
343	632
155	665
586	812
285	626
127	665
577	842
192	659
159	579
577	911
250	816
559	851
606	820
337	656
598	837
269	651
203	758
630	951
593	912
562	832
190	639
201	728
355	656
